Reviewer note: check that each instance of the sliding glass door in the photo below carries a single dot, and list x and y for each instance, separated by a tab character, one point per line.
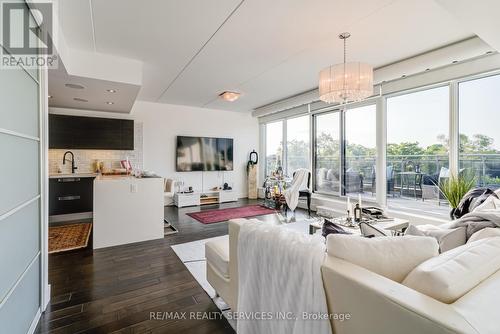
297	144
417	147
479	116
327	153
274	146
345	169
360	151
21	248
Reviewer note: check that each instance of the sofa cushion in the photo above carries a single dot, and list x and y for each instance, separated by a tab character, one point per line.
446	238
487	232
391	257
451	275
478	306
217	254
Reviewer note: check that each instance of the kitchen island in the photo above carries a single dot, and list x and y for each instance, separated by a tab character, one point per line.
127	210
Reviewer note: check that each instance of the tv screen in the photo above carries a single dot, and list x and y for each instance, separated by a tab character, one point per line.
204	154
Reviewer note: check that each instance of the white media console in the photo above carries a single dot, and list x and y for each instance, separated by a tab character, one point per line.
204	198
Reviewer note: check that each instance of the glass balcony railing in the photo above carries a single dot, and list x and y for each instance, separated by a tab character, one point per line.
485	166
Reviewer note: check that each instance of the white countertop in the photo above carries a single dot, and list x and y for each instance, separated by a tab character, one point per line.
81	175
122	178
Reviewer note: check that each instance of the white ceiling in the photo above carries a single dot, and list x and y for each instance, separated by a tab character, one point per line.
94	91
268	50
478	15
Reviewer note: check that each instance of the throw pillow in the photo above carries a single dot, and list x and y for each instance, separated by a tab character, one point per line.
487	232
332	228
446	238
391	257
451	275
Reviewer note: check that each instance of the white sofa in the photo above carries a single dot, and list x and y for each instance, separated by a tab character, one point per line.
380	305
376	304
222	263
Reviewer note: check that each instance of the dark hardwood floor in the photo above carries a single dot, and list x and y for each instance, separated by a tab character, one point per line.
113	290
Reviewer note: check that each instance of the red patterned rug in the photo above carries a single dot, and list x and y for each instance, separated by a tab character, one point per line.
221	215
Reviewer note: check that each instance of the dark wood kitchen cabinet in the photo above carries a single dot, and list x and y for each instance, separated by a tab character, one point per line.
76	132
71	195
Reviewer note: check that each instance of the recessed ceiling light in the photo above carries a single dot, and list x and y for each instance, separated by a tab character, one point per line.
74	86
110	102
229	96
80	100
111	90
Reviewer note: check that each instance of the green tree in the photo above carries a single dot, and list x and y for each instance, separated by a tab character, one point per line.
297	154
478	144
405	148
326	145
483	143
436	149
359	150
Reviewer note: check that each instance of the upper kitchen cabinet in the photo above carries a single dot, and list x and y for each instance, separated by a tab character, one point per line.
76	132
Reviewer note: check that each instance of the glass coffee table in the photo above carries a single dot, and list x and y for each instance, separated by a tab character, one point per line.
314	225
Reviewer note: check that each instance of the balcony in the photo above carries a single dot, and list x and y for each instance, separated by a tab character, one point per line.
405	190
411	179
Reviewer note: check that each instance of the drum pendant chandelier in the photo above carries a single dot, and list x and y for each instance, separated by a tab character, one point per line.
346	82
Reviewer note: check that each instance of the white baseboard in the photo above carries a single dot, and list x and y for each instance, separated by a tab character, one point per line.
70	216
34	323
47	298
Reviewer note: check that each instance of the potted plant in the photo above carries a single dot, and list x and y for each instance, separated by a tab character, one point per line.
455	187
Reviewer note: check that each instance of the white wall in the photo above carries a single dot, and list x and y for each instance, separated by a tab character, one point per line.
163	122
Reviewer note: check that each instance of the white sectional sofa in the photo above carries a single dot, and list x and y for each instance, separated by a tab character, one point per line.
378	304
381	305
222	263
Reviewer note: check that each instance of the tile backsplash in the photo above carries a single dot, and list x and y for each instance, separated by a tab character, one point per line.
85	159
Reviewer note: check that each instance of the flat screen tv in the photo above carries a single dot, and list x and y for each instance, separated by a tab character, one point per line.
204	154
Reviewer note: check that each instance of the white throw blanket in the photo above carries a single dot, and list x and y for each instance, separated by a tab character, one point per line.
280	276
292	193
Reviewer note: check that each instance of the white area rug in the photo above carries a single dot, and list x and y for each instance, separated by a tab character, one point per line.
192	254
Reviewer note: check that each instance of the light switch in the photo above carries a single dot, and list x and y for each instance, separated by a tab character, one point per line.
133	188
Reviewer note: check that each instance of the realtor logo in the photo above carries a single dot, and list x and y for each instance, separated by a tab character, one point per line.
27	35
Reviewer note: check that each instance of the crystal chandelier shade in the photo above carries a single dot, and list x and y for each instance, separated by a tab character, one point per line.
346	82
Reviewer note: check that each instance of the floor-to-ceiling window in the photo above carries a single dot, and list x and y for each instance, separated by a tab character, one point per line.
297	144
327	153
274	146
479	116
360	151
417	145
420	142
